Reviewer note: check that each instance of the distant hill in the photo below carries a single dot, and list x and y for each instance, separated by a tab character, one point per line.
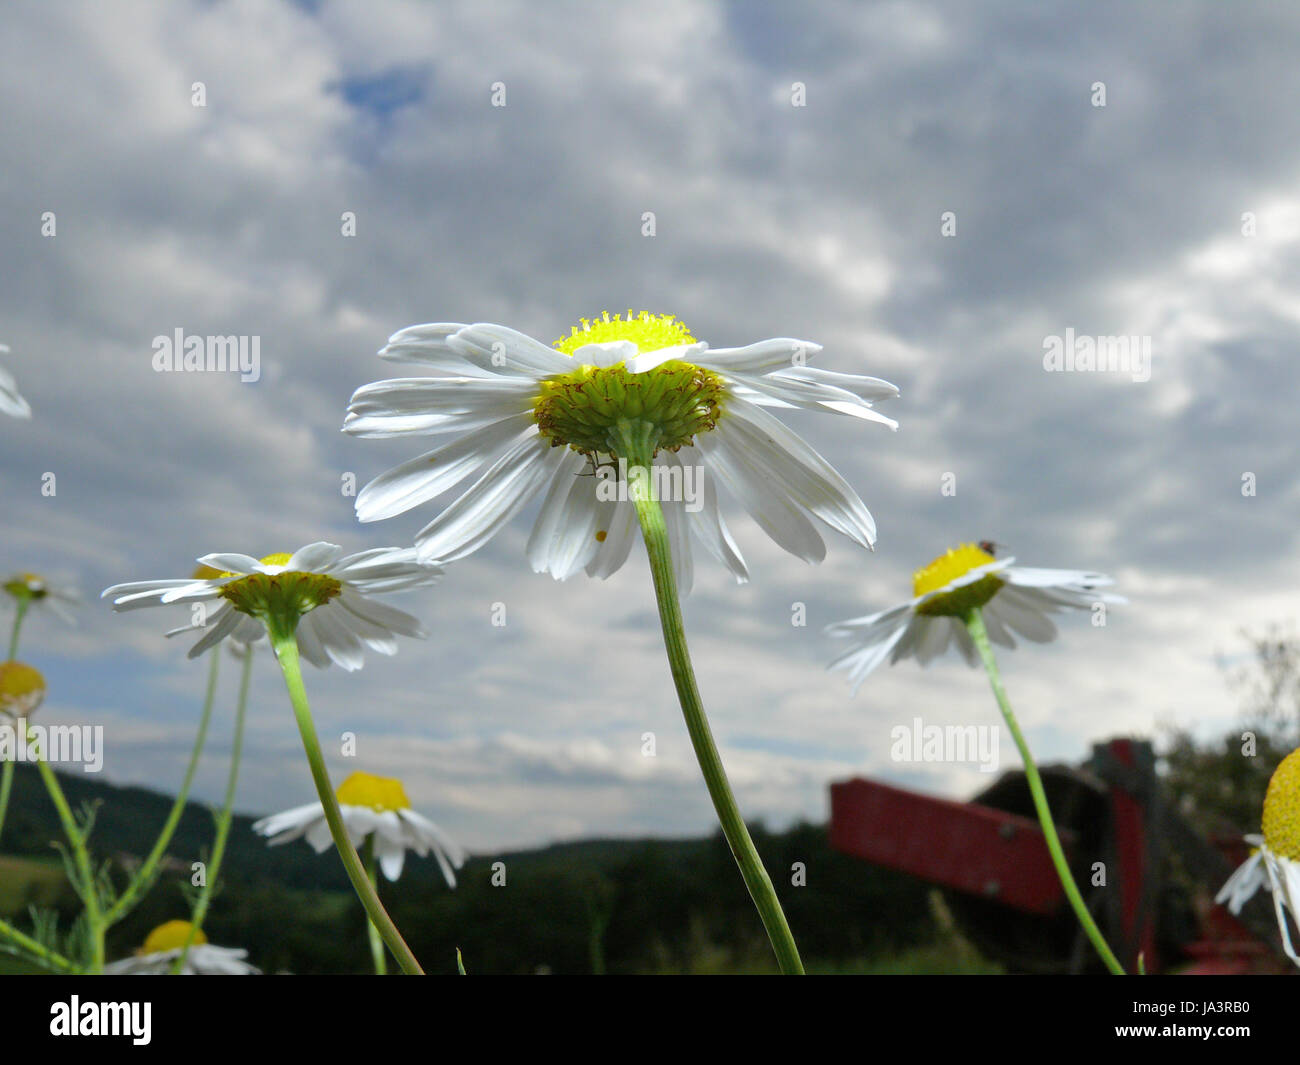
630	905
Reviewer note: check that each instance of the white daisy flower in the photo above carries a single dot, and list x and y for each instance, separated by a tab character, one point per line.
36	591
375	807
527	420
10	401
164	945
1274	865
1012	599
331	591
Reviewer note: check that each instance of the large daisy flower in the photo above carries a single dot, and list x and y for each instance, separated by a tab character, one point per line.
1012	599
527	419
163	946
332	591
36	591
376	808
1274	865
10	401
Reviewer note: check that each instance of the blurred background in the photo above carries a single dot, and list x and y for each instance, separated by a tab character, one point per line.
931	191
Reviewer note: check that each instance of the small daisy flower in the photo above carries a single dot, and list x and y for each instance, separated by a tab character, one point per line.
1274	865
164	945
331	592
372	807
33	590
526	419
22	689
11	402
1012	599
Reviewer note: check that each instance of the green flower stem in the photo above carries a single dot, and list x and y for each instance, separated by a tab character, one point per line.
6	786
89	887
285	643
975	624
637	447
224	818
50	958
20	612
377	952
143	877
7	770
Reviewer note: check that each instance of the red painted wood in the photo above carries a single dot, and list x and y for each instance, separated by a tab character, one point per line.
958	845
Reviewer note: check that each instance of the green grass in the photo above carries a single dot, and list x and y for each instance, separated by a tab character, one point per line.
30	882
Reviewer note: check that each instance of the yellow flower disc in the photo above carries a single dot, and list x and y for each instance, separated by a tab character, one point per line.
171	936
372	792
1281	820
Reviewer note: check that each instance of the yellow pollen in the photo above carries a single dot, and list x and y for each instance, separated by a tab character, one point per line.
207	573
1281	820
171	936
280	558
649	332
375	793
601	534
953	563
22	688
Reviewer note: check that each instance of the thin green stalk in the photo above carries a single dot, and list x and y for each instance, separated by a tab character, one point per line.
975	624
286	650
20	612
52	958
7	770
6	786
144	875
81	858
223	819
637	447
377	953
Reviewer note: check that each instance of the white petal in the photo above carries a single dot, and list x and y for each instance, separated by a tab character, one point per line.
314	558
619	523
812	482
708	522
563	539
429	475
770	508
496	497
763	357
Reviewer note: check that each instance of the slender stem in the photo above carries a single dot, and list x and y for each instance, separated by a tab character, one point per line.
377	952
7	770
143	877
80	855
48	957
6	786
637	448
19	613
975	624
223	819
286	650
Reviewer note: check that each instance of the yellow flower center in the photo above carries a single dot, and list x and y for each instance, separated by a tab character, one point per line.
590	408
649	332
171	936
1281	821
954	563
26	586
22	688
375	793
279	595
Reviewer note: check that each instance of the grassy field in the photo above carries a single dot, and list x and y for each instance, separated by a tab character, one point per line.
30	882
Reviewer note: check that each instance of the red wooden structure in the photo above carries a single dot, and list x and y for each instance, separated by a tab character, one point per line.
1148	878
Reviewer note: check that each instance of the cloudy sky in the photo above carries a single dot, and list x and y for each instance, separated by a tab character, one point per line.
1171	212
